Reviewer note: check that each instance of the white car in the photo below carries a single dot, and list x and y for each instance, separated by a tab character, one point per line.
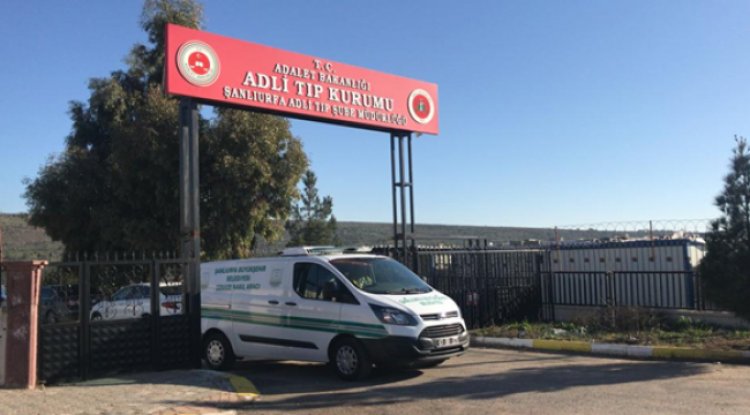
134	301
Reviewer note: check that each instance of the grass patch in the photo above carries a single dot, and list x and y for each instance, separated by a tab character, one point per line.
649	331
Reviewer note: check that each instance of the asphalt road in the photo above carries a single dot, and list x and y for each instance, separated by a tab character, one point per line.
486	381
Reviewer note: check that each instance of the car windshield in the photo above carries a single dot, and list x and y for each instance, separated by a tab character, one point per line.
380	276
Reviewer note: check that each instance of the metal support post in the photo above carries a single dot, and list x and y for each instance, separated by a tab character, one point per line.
399	185
402	184
190	220
394	186
415	256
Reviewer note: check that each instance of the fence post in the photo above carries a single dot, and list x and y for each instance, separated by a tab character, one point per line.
84	309
697	291
3	318
612	297
24	285
155	314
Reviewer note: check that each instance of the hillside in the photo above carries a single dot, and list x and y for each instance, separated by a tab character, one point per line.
22	241
367	233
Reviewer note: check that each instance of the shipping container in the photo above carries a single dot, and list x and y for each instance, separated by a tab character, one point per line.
642	273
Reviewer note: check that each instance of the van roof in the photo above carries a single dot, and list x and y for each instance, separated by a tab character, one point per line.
311	250
324	250
325	254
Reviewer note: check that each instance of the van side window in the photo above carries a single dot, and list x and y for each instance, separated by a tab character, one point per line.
314	282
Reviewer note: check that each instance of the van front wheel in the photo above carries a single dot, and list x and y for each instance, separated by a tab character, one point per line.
217	352
350	359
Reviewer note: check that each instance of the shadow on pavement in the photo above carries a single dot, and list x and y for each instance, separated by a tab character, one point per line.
291	377
316	387
491	386
195	377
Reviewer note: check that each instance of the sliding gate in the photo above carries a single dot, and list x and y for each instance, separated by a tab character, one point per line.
102	316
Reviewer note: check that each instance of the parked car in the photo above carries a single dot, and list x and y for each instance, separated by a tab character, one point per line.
52	306
68	293
134	301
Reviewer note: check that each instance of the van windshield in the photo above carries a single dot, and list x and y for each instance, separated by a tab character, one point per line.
381	276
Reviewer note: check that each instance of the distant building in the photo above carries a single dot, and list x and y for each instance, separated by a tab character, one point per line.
634	255
643	273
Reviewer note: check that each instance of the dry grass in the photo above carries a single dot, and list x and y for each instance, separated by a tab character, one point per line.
656	332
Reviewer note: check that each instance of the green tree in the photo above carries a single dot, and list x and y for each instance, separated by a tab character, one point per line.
115	186
725	270
312	221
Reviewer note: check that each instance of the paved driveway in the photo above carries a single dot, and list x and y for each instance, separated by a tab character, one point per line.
486	381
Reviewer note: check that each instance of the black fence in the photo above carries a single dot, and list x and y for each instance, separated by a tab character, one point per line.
497	286
490	286
107	315
100	316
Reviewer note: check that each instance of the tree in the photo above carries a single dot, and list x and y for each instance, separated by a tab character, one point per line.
312	221
115	186
725	270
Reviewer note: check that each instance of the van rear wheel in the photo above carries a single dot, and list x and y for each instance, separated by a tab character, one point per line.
217	352
350	360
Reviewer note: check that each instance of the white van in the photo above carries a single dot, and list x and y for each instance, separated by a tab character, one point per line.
312	304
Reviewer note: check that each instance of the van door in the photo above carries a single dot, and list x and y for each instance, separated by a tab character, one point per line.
259	315
313	311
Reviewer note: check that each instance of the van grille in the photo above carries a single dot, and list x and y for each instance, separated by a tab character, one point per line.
447	330
437	316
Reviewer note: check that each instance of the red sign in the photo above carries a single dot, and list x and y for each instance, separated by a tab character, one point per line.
228	71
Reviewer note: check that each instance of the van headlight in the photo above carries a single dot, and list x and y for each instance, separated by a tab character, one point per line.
389	315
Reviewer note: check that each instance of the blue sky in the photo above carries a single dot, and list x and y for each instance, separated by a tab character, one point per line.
551	112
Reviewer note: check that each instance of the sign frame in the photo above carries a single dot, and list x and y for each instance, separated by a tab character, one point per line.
223	71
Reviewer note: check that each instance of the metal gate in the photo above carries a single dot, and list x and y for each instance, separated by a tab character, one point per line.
101	316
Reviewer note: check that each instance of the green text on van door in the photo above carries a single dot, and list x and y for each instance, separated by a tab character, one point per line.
238	278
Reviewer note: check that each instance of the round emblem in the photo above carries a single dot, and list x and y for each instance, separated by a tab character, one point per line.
198	63
421	106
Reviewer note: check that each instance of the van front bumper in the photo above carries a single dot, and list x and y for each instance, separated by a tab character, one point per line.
398	350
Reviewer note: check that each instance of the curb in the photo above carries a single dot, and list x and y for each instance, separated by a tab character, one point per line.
241	390
243	387
614	349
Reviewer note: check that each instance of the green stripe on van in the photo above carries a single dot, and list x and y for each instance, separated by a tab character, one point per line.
301	323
